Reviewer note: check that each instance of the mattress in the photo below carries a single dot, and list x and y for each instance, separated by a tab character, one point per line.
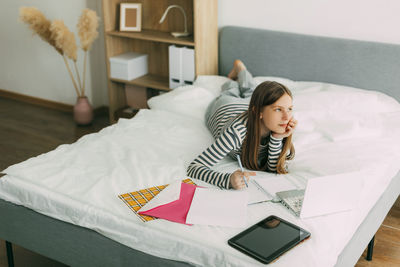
341	129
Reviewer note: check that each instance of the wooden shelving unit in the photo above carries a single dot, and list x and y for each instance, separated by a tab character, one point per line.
154	39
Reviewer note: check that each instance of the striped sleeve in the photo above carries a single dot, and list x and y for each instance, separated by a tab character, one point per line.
274	150
200	168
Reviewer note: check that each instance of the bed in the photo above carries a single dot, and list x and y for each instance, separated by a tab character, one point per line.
43	210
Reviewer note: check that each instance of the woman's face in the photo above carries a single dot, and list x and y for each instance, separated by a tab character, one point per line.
276	116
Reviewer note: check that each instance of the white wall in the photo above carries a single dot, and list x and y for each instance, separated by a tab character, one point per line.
371	20
30	66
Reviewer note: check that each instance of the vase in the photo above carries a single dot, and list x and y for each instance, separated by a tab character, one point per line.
83	111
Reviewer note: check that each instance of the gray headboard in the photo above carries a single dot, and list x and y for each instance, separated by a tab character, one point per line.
367	65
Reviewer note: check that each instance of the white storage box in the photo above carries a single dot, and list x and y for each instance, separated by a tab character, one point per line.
128	66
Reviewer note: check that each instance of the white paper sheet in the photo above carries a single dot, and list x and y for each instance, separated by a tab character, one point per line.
326	194
218	207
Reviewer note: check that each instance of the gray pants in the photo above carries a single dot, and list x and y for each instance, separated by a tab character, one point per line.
233	92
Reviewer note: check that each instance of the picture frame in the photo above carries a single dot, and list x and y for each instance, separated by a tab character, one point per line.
130	17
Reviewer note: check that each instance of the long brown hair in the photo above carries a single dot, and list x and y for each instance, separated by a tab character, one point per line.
265	94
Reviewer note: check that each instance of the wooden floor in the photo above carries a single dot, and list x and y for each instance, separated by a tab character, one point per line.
27	131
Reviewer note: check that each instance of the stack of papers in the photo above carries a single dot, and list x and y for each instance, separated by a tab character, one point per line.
189	204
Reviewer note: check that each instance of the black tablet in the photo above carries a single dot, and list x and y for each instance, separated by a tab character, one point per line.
268	239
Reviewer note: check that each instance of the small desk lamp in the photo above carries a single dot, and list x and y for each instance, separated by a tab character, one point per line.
176	34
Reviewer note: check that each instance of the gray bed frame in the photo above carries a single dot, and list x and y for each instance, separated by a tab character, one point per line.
360	64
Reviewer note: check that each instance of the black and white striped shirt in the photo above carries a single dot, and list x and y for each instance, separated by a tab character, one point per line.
228	126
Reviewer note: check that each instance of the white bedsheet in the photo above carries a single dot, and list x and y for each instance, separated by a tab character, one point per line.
79	183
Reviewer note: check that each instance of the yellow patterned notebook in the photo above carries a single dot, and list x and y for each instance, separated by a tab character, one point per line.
136	200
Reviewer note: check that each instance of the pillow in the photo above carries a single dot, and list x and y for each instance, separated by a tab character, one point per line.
188	100
286	82
213	83
360	126
339	99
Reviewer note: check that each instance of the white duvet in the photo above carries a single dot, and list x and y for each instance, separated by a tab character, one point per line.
340	129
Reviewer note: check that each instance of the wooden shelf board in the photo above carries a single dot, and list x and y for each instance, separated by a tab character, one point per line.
149	81
157	36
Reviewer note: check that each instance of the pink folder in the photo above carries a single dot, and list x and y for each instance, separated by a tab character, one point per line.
175	211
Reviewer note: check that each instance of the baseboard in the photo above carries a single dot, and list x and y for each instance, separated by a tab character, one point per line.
47	103
36	101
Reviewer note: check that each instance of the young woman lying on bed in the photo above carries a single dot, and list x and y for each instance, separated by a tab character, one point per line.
260	132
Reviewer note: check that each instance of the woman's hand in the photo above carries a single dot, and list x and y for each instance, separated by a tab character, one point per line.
236	179
291	126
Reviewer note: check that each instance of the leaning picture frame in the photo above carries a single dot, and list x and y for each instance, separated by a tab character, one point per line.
130	17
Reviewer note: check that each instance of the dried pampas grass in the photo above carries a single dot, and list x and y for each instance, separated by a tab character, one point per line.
38	24
65	40
87	32
62	39
87	28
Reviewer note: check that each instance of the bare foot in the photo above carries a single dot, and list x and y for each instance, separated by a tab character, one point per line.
238	66
232	75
